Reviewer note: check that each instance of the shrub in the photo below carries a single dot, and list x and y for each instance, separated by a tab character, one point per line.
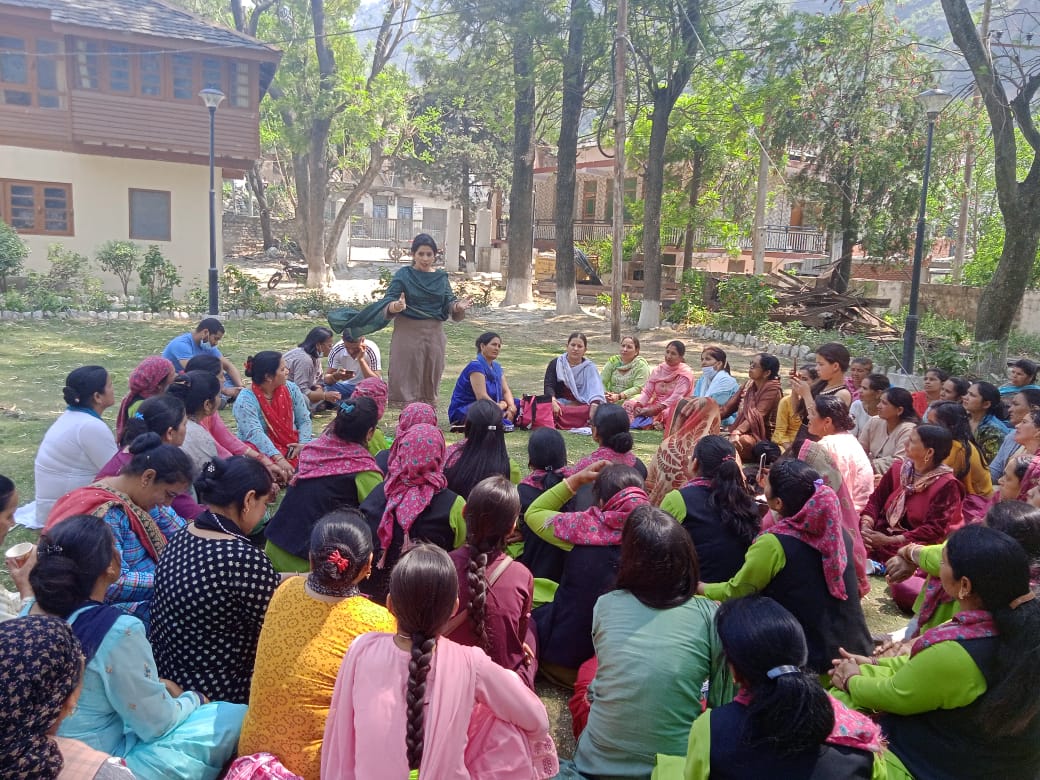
744	303
120	258
13	300
13	251
689	309
313	299
159	277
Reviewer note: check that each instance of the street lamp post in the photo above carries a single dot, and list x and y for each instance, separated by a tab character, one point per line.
933	101
212	98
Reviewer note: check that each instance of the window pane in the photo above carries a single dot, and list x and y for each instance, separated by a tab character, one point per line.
23	211
86	64
16	97
240	86
48	101
150	215
182	77
47	65
151	74
55	209
212	74
118	67
13	62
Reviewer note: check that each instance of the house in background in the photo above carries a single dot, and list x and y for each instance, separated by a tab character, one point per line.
102	133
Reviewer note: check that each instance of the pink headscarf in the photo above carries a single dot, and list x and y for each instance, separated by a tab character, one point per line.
330	456
144	382
414	476
414	414
374	388
600	527
818	524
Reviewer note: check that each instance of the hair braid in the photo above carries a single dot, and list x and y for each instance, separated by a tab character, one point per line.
476	578
418	669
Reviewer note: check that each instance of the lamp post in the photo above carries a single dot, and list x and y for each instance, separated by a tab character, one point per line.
212	98
933	101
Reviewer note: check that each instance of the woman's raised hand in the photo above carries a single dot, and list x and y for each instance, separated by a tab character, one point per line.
399	305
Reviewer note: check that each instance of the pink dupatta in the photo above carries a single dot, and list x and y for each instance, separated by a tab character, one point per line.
819	525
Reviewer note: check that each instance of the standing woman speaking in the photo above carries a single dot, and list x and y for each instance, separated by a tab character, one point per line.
422	295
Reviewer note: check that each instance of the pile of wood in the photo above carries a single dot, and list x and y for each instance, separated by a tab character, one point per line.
822	308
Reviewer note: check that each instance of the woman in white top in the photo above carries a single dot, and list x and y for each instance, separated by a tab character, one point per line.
79	442
715	381
885	437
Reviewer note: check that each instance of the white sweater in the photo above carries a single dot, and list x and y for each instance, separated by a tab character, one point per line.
72	452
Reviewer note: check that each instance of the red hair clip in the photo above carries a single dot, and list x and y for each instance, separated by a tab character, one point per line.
341	563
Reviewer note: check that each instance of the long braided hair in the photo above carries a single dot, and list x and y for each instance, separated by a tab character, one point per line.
491	513
424	589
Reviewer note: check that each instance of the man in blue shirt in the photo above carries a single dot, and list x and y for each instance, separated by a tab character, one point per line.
203	341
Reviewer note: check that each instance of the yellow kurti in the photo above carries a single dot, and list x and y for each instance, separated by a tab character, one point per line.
301	648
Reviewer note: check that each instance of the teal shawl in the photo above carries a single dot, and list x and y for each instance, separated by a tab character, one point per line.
428	294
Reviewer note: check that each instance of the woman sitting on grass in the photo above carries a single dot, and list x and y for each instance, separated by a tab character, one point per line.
483	379
413	414
150	378
547	458
482	453
669	382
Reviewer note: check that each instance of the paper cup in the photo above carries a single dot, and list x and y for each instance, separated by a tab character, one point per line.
20	552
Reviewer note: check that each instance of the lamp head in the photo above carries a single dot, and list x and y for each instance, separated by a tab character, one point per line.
211	97
933	101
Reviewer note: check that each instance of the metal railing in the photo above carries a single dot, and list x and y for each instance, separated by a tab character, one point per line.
387	232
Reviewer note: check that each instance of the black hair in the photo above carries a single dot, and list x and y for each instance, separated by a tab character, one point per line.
315	336
991	395
423	239
863	361
1032	396
195	388
942	375
263	365
810	369
832	407
770	364
1026	365
212	324
6	490
960	384
833	352
767	448
491	512
342	531
424	588
790	712
635	340
578	335
486	338
938	439
902	399
717	461
1020	521
612	426
793	482
484	452
878	382
355	417
719	355
228	482
158	414
171	464
998	568
954	418
658	562
205	362
547	450
1021	466
613	479
69	559
82	383
679	347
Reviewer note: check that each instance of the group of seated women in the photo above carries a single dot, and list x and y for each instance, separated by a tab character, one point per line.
391	616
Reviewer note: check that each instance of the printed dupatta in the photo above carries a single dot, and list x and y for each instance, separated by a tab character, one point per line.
601	453
969	624
851	729
910	482
97	499
818	524
598	527
414	475
330	456
280	419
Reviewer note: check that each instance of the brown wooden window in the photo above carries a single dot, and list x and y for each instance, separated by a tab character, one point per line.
213	74
30	72
37	207
87	64
150	215
183	77
151	74
241	84
120	77
588	200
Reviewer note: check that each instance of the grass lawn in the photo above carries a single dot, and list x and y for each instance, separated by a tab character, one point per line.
35	357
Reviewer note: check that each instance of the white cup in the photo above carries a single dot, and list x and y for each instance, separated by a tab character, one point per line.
20	552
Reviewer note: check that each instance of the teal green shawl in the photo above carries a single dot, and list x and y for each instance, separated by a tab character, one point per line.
428	294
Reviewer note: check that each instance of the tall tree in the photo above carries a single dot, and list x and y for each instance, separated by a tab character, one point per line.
1012	120
666	37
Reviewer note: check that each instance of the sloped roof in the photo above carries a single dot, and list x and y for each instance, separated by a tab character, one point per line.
144	17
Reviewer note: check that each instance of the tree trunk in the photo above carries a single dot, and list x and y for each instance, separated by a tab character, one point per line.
470	263
342	219
843	271
653	190
695	191
567	156
256	185
521	190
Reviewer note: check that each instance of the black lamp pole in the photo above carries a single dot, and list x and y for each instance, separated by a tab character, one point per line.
934	101
212	99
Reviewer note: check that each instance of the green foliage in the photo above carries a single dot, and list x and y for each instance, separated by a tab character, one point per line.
315	299
744	303
13	251
980	269
159	277
64	286
120	258
689	309
196	298
385	277
12	300
629	308
239	290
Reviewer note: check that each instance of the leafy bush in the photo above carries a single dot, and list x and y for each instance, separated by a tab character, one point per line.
13	300
13	251
385	277
315	299
629	308
159	277
689	309
64	285
120	258
239	290
196	298
744	303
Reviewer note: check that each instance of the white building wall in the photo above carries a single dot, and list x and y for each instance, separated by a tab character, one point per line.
101	205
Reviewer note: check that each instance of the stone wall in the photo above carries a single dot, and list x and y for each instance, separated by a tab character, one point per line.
242	234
